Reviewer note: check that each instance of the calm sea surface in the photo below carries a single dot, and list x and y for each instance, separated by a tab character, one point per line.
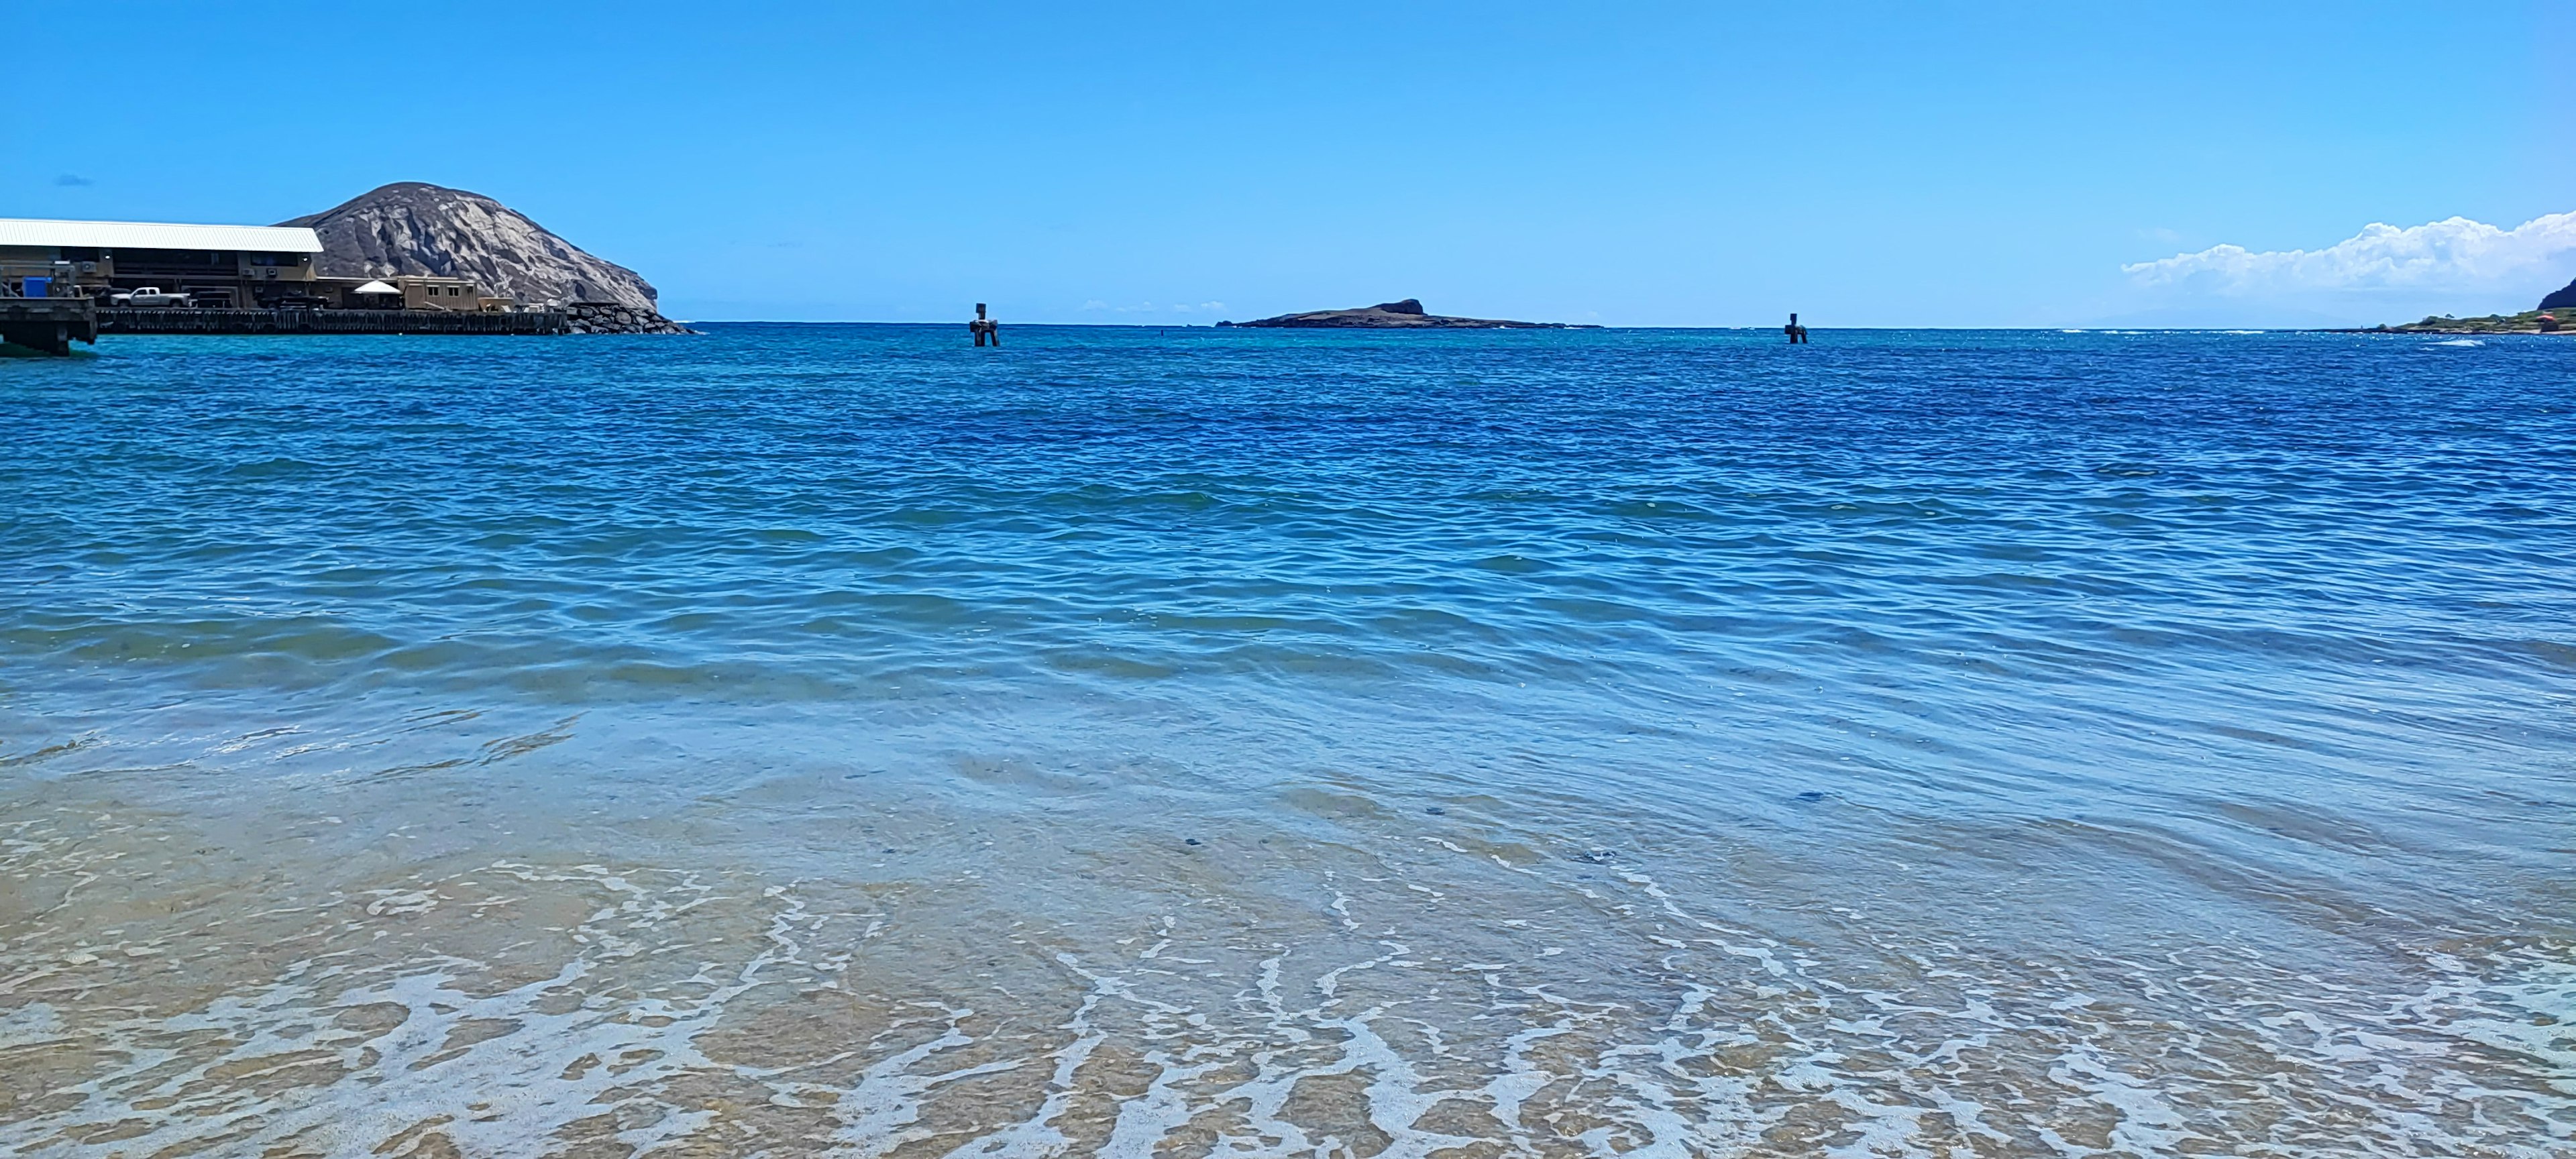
840	740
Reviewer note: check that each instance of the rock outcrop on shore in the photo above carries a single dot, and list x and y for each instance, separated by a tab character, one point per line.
414	228
2538	320
1405	315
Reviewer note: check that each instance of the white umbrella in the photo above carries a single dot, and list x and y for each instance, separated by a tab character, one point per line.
375	288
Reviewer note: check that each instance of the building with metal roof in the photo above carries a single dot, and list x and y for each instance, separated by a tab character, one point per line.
155	235
238	265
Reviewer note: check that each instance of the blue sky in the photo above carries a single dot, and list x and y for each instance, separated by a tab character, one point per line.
1938	164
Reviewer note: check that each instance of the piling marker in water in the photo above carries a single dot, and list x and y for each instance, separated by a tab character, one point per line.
983	327
1796	332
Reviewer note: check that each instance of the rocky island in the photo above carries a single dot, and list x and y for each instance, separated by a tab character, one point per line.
1405	315
2556	314
422	230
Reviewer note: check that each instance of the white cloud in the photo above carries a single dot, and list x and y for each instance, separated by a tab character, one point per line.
2453	255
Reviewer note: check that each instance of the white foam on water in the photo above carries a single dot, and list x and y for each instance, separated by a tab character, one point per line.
1042	1133
507	1094
1570	1028
2147	1124
878	1114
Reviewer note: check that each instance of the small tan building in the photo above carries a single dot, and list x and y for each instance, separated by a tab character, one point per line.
411	292
439	294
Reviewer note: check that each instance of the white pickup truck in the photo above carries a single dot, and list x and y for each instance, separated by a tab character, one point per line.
147	296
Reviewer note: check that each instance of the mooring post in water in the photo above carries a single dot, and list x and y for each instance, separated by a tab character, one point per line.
1796	332
983	327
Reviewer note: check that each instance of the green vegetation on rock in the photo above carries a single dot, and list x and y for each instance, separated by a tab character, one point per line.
2527	322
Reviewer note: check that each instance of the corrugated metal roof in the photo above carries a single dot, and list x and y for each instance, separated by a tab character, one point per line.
154	235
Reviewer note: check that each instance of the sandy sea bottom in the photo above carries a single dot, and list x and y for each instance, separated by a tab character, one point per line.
754	944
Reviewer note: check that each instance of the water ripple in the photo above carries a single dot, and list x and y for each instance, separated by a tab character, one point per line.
833	740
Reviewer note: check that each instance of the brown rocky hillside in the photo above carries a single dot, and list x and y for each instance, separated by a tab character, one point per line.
415	228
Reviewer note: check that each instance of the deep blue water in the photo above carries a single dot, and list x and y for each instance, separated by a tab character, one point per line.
2130	638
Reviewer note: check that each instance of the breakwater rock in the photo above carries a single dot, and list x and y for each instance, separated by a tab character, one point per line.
618	318
1404	315
414	228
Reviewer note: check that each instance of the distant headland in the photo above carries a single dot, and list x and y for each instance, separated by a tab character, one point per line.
1405	315
2556	314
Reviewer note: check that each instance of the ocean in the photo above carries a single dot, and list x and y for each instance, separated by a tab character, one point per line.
840	740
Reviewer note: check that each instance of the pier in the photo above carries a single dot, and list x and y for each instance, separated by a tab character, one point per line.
53	324
294	320
48	324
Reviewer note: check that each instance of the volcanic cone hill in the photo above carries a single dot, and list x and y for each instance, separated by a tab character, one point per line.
414	228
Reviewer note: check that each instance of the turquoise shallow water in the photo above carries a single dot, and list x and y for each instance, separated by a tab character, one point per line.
836	739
